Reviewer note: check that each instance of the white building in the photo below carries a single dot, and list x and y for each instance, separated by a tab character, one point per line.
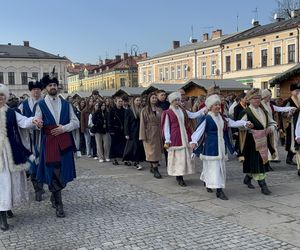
21	63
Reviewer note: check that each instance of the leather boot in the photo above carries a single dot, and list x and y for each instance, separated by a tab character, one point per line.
59	205
156	173
52	200
298	172
264	188
38	188
220	194
3	221
180	181
10	214
289	159
247	181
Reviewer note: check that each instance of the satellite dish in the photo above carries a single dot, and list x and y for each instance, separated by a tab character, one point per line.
275	16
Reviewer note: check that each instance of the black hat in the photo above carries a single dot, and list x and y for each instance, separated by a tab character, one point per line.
35	85
294	86
47	79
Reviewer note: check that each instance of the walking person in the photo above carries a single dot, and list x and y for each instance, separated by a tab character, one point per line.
214	127
76	132
116	130
13	157
134	149
150	133
57	165
31	137
100	129
84	121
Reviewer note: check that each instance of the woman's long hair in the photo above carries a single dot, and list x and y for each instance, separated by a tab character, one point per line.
148	108
135	109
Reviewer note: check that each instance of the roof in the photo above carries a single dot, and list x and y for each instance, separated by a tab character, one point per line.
19	51
261	30
168	87
285	75
103	93
192	46
224	84
131	91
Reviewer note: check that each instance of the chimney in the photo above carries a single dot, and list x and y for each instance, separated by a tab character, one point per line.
255	23
216	34
9	44
176	44
194	40
118	58
144	55
26	43
295	13
205	37
125	56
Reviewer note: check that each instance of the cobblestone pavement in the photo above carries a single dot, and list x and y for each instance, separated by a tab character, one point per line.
111	207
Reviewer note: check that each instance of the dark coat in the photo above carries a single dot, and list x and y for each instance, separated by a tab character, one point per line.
100	121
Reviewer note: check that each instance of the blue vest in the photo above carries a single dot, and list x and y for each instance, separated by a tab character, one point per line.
19	153
67	166
26	109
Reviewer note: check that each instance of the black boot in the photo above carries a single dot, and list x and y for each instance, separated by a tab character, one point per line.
209	190
180	181
298	172
38	188
59	205
3	221
156	173
10	214
289	159
52	199
247	181
151	170
264	188
220	194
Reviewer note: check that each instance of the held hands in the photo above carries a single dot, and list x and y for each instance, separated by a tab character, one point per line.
37	122
167	145
249	125
193	145
57	131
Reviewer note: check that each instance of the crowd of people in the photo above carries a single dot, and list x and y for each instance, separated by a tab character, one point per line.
47	133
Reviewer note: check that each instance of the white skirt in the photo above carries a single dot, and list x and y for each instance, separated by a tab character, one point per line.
180	162
214	173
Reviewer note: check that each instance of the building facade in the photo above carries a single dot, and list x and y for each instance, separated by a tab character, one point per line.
20	64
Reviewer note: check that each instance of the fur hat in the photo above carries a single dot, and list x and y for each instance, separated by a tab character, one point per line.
253	93
213	90
35	85
173	96
266	93
4	90
211	100
47	79
294	86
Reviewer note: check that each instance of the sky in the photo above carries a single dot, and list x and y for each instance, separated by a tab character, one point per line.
87	30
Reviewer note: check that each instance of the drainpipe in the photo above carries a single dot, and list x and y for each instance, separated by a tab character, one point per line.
196	64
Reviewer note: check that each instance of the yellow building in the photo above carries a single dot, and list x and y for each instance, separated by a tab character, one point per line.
113	74
253	56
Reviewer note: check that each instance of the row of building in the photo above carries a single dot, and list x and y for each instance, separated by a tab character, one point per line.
262	56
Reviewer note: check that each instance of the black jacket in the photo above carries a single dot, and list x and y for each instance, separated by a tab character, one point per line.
100	121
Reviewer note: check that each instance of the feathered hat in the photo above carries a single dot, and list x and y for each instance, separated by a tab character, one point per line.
4	90
211	100
35	85
47	79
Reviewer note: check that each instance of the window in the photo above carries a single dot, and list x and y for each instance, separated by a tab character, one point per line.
203	68
291	53
1	77
249	60
264	58
228	66
172	73
11	78
178	72
112	83
264	85
185	71
122	82
149	75
166	73
144	76
238	62
24	78
160	74
277	55
35	75
213	67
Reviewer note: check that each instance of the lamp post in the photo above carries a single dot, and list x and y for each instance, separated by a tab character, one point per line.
134	49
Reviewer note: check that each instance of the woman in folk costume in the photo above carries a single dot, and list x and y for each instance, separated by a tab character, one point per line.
13	158
271	108
256	142
177	134
214	128
134	149
150	133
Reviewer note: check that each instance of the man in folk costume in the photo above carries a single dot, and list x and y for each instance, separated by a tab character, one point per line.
13	158
214	142
270	108
293	101
177	134
256	142
31	137
56	166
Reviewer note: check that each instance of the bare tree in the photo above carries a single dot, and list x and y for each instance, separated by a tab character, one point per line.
285	7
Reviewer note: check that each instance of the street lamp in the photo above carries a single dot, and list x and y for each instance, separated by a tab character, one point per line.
134	49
